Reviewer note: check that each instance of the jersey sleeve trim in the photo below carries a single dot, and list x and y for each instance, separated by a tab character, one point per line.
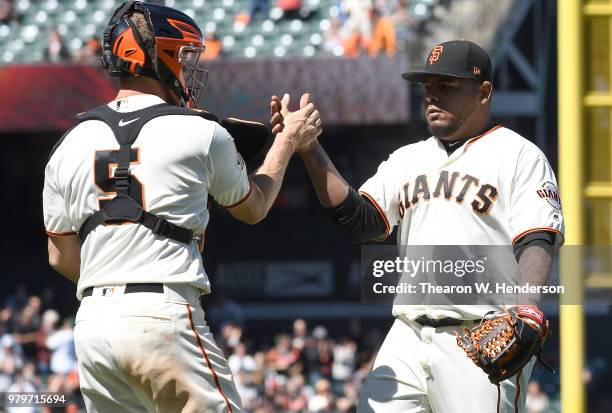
380	211
243	198
532	230
59	234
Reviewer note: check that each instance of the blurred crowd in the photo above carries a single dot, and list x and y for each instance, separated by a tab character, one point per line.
301	371
90	53
37	349
57	52
355	28
6	11
278	368
368	27
537	401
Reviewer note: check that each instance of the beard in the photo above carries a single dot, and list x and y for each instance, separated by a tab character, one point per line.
443	131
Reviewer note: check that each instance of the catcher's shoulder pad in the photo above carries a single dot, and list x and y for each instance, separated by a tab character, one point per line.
251	138
207	115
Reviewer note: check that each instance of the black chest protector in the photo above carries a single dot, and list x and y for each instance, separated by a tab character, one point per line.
124	208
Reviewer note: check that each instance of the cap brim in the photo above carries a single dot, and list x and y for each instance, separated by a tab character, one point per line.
419	76
414	76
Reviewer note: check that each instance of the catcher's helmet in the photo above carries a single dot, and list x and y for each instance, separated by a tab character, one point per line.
178	44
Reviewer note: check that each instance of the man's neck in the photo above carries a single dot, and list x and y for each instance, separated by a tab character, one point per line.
474	132
454	144
472	129
143	86
125	93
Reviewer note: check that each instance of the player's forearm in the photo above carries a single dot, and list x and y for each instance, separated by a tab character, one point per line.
533	268
331	188
65	256
69	270
267	180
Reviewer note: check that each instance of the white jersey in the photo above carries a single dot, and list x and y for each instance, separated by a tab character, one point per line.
180	161
494	190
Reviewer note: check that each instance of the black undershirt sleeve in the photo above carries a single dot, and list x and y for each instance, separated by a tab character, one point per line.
358	219
544	239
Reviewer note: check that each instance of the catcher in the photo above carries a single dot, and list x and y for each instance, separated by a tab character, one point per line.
124	204
471	183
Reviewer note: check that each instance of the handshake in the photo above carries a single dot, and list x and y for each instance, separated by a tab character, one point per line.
296	132
300	128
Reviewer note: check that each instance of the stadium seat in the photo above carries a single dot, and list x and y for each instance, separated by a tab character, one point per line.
272	35
22	6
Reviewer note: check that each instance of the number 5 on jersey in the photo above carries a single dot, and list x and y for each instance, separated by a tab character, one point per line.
105	163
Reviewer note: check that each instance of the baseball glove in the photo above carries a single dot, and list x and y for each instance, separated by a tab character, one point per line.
503	343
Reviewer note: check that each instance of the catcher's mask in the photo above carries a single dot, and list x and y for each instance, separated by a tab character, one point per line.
178	45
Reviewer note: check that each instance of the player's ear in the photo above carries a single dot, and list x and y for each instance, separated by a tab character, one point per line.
486	90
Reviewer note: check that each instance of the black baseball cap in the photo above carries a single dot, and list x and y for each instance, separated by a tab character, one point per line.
457	58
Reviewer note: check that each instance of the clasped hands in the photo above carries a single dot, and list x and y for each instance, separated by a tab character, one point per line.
299	128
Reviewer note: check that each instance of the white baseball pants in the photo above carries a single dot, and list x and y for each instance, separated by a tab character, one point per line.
150	352
421	369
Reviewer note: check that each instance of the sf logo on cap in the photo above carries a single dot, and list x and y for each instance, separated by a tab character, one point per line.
435	54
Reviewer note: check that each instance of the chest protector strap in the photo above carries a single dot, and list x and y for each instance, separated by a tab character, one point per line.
123	208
